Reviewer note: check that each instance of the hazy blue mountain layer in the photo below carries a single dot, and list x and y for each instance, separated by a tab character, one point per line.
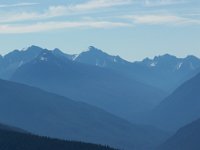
180	108
47	114
187	138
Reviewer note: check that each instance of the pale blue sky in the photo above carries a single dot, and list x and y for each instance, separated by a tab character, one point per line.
133	29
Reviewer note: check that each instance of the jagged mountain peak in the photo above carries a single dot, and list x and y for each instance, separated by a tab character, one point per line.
171	61
12	53
171	57
92	48
59	53
165	57
31	48
95	51
191	58
57	50
97	57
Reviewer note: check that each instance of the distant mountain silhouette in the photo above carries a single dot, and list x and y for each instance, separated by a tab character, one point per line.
47	114
168	72
180	108
187	138
13	60
10	139
98	86
165	72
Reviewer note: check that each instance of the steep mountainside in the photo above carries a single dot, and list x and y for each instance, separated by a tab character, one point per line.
187	138
180	108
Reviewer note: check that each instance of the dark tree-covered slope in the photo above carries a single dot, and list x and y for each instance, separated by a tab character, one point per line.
10	139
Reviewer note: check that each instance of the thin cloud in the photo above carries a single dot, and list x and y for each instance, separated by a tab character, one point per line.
153	3
156	19
23	16
62	10
39	21
58	11
96	4
47	26
17	5
85	7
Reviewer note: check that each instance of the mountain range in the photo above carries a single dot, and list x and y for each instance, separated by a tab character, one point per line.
50	115
98	78
102	87
165	72
99	98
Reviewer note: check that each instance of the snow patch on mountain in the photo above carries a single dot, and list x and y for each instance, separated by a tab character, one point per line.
75	57
153	64
179	65
43	59
20	63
